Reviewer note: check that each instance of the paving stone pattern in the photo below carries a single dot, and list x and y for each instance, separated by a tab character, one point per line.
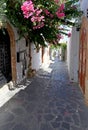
50	102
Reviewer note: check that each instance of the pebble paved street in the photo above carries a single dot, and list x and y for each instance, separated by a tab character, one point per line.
49	102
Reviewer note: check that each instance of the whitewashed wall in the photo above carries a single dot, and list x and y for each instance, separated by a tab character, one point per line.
21	46
60	53
46	55
84	6
73	55
36	57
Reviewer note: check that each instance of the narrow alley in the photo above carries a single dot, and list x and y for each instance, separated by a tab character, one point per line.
50	102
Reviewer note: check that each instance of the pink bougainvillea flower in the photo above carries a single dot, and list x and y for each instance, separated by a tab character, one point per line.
41	18
60	12
40	25
60	15
33	13
33	19
51	15
38	12
28	9
27	15
37	19
62	7
69	34
56	1
34	27
59	36
27	6
46	12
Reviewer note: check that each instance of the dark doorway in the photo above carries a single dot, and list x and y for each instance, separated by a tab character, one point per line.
5	57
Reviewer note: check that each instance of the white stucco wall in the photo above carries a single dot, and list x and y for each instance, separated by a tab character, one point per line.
46	55
36	57
73	55
60	53
84	6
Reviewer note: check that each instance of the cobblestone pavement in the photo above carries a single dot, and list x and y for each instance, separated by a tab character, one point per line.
50	102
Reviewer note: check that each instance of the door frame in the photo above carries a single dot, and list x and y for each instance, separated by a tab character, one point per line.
83	54
13	51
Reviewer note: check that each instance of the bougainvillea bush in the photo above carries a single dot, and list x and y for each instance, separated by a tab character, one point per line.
40	20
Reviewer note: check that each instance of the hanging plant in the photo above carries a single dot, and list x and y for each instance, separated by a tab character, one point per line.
35	17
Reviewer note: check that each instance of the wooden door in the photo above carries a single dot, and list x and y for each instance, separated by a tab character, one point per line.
82	59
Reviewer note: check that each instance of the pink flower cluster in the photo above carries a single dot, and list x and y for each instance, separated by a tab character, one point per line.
69	34
28	9
59	36
60	13
40	25
48	13
56	1
37	16
34	14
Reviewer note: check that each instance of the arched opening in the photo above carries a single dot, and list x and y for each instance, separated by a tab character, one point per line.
13	51
7	54
5	57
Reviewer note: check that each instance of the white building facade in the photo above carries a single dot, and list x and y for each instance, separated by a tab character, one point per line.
17	55
73	55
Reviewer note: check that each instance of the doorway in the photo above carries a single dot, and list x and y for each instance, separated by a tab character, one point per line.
5	57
